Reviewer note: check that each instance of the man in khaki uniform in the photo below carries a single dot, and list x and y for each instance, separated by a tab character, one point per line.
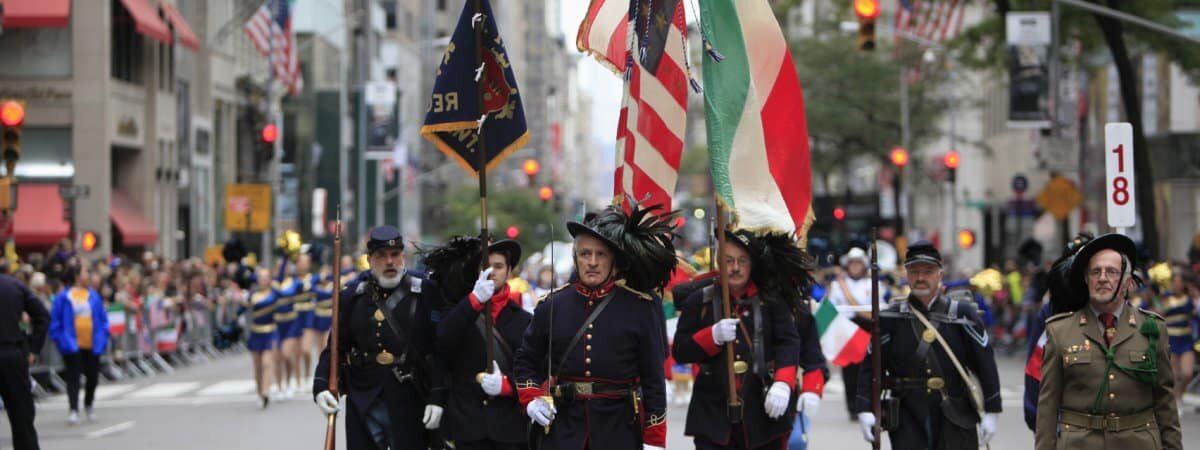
1106	370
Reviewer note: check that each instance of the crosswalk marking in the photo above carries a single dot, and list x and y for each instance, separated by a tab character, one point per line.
165	389
106	391
228	387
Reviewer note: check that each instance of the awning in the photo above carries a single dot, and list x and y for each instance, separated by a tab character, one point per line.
127	219
146	18
36	13
183	31
39	220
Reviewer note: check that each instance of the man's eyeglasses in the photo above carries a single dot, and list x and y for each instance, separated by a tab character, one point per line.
1096	274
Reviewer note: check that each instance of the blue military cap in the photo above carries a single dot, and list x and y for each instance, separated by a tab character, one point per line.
384	236
923	252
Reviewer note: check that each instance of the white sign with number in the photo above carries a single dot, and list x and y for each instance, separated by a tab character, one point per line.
1118	178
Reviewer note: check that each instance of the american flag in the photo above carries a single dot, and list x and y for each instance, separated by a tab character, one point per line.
270	29
930	20
653	115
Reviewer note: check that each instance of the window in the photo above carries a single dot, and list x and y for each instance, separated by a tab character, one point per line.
127	46
441	5
389	10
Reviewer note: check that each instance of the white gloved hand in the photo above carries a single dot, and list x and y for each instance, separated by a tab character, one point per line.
724	331
492	383
433	417
540	411
777	399
809	404
328	403
484	287
651	447
866	422
987	428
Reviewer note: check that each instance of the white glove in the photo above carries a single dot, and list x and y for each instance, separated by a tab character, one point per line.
328	403
492	383
987	428
724	331
484	287
651	447
433	417
540	411
809	404
777	399
866	422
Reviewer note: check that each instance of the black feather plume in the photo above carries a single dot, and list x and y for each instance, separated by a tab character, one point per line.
454	266
647	256
781	267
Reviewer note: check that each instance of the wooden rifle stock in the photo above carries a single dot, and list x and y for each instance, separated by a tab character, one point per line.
876	347
735	402
334	353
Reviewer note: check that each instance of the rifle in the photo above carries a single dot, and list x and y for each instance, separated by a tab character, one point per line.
334	354
876	347
549	397
735	402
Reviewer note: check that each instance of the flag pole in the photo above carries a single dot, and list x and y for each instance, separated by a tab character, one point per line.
477	23
735	403
876	346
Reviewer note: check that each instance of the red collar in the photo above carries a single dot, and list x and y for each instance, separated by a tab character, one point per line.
596	292
751	290
498	301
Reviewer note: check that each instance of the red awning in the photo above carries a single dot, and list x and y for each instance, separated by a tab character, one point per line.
39	220
36	13
183	31
128	220
146	18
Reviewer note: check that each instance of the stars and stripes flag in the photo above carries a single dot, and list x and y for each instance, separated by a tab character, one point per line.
931	20
270	29
653	118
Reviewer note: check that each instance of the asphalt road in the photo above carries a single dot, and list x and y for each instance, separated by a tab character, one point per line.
213	406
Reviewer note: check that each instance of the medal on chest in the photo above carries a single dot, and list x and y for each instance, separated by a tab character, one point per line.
928	335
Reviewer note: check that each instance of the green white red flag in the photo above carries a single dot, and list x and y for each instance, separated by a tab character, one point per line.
757	133
842	341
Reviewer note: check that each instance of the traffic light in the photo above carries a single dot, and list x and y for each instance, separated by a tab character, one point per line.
966	239
89	240
950	160
512	232
867	11
12	116
839	213
899	157
268	134
545	193
531	168
6	194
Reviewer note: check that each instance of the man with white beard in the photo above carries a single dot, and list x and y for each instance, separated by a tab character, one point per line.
387	322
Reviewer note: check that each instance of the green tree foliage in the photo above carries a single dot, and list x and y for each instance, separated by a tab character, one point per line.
506	207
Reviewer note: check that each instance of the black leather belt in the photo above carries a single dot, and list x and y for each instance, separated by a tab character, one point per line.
919	384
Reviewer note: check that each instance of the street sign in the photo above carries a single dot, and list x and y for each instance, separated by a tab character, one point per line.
1118	174
1059	197
248	207
1020	184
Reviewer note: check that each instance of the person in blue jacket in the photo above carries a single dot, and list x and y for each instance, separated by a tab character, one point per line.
79	328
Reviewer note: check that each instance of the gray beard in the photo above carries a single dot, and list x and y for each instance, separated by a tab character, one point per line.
386	282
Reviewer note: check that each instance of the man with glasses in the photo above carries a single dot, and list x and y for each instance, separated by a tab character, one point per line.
1106	368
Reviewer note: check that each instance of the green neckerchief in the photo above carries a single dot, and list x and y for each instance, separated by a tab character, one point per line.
1146	372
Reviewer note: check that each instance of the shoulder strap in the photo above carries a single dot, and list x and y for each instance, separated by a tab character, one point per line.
505	354
841	282
970	382
401	335
579	333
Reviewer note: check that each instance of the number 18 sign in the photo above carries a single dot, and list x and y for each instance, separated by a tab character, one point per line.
1118	165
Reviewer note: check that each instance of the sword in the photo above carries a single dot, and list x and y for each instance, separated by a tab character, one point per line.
549	398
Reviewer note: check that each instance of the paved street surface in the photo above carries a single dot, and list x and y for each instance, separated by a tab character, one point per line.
213	406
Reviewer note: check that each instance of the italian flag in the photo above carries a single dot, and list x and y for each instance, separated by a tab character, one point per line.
842	342
116	320
1033	366
757	133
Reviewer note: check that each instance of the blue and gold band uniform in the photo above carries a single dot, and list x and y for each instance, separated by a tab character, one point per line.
323	304
263	330
305	301
1180	312
285	310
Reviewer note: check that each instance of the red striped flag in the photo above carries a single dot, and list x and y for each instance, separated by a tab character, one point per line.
653	116
932	20
270	29
1033	366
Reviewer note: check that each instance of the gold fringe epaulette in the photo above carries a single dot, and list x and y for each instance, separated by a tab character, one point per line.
639	294
552	292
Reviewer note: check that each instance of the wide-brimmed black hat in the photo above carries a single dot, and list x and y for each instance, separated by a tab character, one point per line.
923	252
1112	241
778	263
509	248
384	236
639	239
455	265
587	228
1063	296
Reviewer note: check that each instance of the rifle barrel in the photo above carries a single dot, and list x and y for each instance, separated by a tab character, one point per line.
876	346
334	341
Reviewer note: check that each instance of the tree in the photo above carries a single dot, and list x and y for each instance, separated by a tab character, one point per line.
506	207
983	46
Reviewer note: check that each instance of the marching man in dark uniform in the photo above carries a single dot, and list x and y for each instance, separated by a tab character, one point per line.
765	275
392	383
1106	368
601	340
482	412
936	409
17	352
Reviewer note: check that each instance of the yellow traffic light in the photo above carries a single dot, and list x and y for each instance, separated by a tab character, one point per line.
966	239
12	116
867	11
89	241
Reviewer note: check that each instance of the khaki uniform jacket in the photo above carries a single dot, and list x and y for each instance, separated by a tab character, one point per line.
1073	367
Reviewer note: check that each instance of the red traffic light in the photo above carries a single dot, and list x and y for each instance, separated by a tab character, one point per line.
545	193
839	213
270	133
899	157
531	167
12	113
512	232
866	9
89	241
966	239
950	159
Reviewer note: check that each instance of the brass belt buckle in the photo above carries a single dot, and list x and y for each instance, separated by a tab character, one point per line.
384	358
935	383
583	388
1113	424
